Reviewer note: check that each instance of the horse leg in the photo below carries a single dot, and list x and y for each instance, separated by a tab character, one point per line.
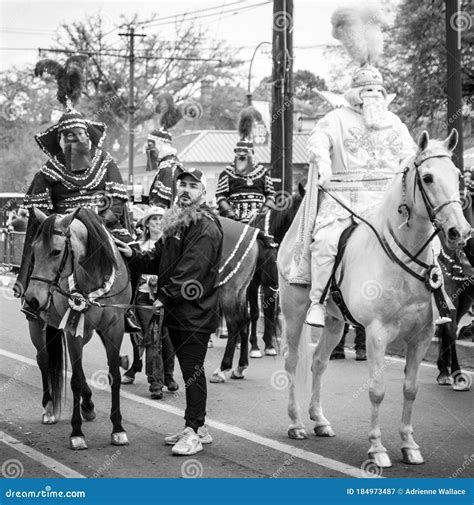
294	302
377	337
444	333
416	350
38	338
238	373
330	338
252	294
270	302
87	405
112	338
77	440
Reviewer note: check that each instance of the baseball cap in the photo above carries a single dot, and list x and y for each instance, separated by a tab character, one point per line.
196	174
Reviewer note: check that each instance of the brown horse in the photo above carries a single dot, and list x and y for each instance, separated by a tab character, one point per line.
79	284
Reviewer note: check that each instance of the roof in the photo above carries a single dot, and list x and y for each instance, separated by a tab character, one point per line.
217	146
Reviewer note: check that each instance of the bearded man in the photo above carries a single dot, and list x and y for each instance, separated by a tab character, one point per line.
186	261
162	156
245	187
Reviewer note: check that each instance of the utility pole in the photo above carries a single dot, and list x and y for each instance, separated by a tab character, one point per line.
131	101
454	28
282	96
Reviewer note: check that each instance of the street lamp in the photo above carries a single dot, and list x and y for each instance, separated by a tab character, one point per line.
249	94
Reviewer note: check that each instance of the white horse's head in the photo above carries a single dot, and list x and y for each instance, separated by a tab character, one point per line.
437	179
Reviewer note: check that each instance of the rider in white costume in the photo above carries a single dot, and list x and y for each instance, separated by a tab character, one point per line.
356	150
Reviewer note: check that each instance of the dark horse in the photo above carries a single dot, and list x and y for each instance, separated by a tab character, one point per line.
459	286
234	303
79	283
274	224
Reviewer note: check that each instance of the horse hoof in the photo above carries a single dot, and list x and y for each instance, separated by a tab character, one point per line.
461	386
119	438
297	433
381	459
49	419
324	431
412	456
445	380
88	415
255	353
217	377
77	443
238	373
270	351
127	380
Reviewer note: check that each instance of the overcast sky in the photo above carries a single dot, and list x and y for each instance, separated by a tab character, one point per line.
27	25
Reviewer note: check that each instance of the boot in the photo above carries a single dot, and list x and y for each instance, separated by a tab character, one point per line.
323	257
131	324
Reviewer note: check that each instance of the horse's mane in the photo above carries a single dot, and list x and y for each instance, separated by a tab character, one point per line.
281	218
45	231
99	258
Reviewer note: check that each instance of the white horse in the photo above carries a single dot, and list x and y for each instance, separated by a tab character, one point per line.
402	303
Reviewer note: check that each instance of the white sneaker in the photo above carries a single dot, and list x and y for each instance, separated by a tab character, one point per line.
316	315
203	432
188	443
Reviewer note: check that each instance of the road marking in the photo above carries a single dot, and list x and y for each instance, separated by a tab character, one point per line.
44	460
311	457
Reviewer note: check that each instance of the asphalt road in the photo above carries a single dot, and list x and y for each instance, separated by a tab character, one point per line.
247	419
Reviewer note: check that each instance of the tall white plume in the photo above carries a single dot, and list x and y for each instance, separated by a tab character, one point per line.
359	28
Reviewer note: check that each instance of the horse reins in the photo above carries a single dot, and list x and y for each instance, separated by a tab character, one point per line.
431	210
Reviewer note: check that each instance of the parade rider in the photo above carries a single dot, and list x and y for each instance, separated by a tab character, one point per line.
245	187
78	172
186	260
162	156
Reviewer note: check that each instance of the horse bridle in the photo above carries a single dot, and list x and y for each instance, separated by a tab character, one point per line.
54	283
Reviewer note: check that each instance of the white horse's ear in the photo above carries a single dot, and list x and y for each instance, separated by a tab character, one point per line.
423	140
452	141
39	214
65	222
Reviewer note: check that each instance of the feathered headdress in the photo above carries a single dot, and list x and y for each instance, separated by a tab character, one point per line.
359	28
170	115
247	118
69	77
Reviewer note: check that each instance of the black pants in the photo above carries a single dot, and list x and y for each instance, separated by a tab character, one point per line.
359	340
190	348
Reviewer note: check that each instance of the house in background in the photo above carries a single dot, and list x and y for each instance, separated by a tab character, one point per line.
212	150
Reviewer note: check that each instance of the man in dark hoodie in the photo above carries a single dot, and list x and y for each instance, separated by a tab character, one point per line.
186	261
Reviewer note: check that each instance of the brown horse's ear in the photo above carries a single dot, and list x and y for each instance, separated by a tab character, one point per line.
452	141
39	214
66	221
423	140
301	190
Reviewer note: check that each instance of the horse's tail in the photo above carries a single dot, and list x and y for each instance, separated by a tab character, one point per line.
56	366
